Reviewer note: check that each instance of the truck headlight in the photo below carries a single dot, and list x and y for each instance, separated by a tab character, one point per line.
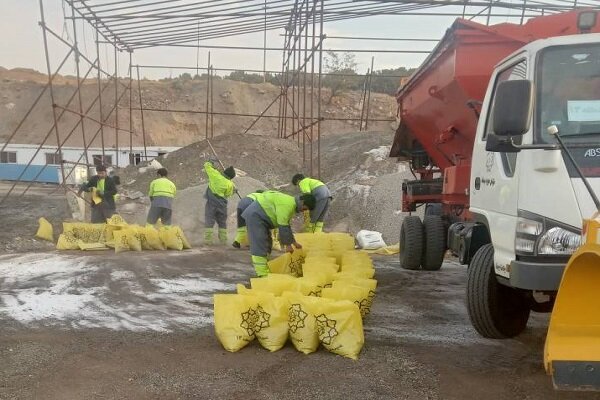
536	235
558	241
527	233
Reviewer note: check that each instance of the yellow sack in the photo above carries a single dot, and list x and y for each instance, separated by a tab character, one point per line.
67	241
273	283
127	239
271	327
327	269
341	241
355	255
281	264
307	286
110	244
313	241
296	262
109	233
340	329
302	323
168	235
45	231
150	238
370	284
235	319
121	241
320	258
91	246
341	279
116	220
88	233
290	264
360	296
96	199
320	280
179	233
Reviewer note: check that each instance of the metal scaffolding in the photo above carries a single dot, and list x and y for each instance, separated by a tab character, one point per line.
130	25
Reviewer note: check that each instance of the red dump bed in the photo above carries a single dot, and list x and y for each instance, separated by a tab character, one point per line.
433	104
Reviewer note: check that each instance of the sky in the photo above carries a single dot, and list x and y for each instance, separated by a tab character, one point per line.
22	43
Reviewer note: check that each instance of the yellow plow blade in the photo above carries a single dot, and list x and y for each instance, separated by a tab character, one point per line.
572	350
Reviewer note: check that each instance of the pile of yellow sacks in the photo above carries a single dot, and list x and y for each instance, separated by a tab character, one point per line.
121	236
318	295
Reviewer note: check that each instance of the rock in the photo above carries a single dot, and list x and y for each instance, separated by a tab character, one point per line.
133	195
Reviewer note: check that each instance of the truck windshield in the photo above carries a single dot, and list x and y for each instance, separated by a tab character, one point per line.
568	93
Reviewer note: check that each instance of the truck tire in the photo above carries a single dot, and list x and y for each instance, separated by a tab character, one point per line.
434	245
496	311
411	242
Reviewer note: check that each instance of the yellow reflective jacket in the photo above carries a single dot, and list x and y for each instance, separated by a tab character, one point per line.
279	207
252	195
162	187
217	183
307	185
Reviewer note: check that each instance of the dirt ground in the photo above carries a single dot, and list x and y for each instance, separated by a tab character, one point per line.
139	325
19	88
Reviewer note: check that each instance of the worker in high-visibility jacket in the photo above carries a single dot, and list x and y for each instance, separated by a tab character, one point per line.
219	189
104	192
322	196
162	192
271	210
241	235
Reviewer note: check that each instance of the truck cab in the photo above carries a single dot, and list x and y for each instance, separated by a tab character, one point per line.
526	197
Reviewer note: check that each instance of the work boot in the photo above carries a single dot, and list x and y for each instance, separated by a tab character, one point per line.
241	236
223	236
318	227
208	236
260	266
309	228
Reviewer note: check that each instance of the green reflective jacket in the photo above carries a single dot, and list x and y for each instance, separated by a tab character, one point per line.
279	207
307	185
217	183
162	187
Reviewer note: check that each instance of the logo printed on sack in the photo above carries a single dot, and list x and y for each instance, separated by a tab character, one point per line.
296	317
249	319
326	329
263	319
296	266
364	306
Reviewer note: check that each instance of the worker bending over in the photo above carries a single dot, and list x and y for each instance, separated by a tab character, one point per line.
322	196
220	188
104	190
162	192
242	233
271	210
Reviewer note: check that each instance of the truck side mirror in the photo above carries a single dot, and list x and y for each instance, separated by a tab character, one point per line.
512	108
500	144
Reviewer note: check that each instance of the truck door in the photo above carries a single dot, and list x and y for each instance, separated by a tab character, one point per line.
494	183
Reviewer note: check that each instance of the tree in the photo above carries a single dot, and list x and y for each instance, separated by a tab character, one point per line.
388	80
342	71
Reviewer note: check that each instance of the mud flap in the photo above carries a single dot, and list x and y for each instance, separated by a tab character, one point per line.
572	350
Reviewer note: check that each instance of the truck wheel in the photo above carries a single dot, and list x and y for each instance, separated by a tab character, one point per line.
411	242
434	245
496	311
